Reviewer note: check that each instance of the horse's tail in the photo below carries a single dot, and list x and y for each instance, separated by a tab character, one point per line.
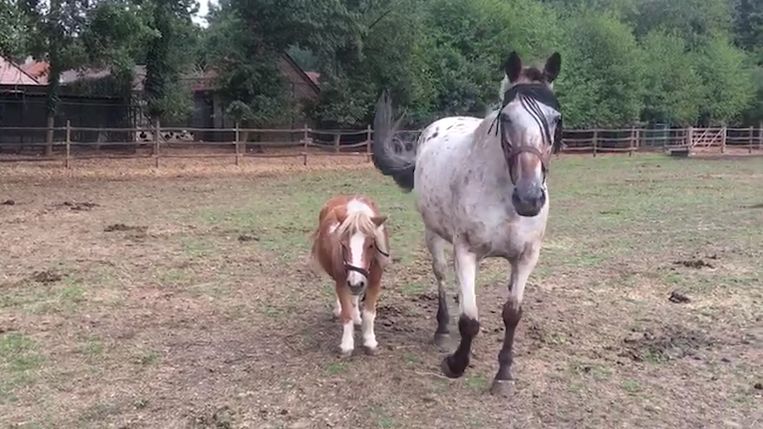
391	156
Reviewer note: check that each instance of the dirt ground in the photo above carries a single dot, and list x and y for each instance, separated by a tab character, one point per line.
132	297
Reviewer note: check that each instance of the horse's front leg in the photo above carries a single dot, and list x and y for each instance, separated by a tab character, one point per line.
369	309
512	312
346	312
468	324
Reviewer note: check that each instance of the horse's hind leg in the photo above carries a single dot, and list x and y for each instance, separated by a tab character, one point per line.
468	324
512	313
436	246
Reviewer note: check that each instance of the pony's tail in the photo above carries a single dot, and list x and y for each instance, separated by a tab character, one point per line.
391	156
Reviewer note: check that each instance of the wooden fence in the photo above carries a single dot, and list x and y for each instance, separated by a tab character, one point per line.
72	143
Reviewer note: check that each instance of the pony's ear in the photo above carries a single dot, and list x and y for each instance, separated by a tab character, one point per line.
513	66
341	214
379	220
553	67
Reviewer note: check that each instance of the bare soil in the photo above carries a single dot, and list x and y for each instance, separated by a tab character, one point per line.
182	298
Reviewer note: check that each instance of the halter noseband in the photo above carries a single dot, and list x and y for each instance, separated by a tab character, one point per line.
363	271
530	94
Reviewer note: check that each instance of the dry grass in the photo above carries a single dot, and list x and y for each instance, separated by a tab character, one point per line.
144	309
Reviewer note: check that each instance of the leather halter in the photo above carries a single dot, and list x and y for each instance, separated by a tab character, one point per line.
529	95
349	267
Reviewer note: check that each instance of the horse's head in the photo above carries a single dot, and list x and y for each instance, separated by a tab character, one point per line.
359	234
530	129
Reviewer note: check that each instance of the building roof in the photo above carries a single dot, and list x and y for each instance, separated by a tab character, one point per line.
36	73
12	74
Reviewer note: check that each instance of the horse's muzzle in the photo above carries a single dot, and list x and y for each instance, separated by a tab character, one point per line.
528	200
357	287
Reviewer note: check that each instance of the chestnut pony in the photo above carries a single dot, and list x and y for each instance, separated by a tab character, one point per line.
351	246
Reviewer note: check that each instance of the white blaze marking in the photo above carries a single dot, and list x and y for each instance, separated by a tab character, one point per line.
333	227
369	338
348	342
356	257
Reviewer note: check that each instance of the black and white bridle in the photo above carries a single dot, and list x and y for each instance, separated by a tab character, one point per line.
530	95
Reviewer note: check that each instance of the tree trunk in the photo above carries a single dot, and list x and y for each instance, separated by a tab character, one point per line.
49	134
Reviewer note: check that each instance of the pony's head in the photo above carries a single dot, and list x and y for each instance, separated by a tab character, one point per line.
529	124
361	239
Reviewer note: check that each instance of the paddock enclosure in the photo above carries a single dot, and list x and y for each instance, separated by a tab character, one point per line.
181	297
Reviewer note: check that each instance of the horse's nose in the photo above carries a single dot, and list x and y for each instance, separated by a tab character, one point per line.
528	201
356	288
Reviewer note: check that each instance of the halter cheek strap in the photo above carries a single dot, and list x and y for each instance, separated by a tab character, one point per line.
530	95
363	271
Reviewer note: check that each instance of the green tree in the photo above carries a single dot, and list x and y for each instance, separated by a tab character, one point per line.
56	26
169	53
14	37
727	80
602	82
672	86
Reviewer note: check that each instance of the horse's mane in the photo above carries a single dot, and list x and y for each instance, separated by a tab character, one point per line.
357	221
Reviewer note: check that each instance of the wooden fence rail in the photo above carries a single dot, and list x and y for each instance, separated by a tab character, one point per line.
71	143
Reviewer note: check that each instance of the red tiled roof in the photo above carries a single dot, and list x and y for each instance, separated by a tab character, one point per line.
314	76
12	74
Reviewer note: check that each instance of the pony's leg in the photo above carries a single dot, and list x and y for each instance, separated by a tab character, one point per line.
512	312
436	246
345	317
356	310
468	324
337	308
369	309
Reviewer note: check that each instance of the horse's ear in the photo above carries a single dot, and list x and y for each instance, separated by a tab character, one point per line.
341	214
513	66
379	220
553	67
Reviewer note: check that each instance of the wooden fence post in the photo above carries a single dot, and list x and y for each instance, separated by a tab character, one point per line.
724	131
305	138
68	143
336	141
631	141
368	143
752	139
238	144
157	132
595	138
760	136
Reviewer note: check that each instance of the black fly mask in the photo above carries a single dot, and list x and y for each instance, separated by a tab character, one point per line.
529	95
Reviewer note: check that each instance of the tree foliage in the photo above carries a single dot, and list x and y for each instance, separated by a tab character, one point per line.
677	61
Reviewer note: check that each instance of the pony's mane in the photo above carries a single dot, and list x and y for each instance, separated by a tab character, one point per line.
357	221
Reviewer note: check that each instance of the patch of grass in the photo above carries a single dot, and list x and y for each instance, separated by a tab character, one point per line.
631	386
19	362
411	359
174	277
147	358
383	419
413	288
335	368
477	382
597	372
99	412
92	348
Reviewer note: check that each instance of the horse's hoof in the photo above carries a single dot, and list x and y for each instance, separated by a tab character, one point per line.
442	341
445	367
503	388
371	351
344	354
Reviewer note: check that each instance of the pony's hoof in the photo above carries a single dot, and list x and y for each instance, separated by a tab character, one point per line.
446	369
371	351
503	388
442	341
344	354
